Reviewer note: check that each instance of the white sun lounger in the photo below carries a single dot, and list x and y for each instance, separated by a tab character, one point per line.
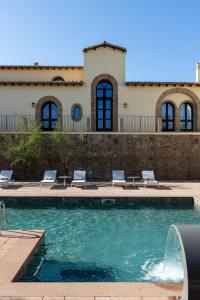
148	178
49	177
79	178
118	178
5	177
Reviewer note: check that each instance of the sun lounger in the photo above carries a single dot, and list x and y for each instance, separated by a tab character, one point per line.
118	178
79	178
5	177
49	177
148	178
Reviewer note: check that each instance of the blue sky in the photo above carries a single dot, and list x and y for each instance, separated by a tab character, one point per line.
162	37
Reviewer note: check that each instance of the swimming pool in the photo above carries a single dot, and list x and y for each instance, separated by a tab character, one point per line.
96	241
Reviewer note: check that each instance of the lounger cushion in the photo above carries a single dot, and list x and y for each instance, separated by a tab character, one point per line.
118	175
6	175
3	177
77	177
151	182
49	176
47	181
119	181
78	181
148	175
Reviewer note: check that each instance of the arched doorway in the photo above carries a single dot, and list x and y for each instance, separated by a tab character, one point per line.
49	116
108	90
104	106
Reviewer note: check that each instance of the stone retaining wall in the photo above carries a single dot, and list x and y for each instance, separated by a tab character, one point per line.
171	156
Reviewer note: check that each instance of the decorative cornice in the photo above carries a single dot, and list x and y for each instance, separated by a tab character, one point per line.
41	83
152	83
38	67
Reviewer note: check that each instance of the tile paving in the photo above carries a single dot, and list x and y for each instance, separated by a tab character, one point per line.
104	189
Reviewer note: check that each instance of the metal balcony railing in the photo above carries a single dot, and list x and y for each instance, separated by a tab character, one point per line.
131	123
126	123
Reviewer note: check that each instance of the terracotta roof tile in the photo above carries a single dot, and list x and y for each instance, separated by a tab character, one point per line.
105	44
159	83
38	67
41	83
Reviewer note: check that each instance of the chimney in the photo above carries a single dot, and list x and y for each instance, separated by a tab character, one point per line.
197	72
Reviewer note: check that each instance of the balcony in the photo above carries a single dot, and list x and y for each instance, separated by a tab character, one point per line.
126	123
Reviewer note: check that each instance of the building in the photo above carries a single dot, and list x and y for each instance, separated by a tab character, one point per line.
96	97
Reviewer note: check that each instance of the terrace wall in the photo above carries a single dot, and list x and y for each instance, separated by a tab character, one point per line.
172	156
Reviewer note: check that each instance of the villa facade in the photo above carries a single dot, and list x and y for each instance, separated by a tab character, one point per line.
96	97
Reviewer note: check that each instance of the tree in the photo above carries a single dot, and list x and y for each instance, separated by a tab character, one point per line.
24	148
65	146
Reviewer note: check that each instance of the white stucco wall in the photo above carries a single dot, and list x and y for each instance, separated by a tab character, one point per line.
41	75
104	61
140	100
18	100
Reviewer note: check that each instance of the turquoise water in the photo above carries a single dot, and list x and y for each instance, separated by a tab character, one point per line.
102	244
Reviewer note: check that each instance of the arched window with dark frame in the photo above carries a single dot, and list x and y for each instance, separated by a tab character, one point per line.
76	112
167	116
186	117
104	106
58	79
49	116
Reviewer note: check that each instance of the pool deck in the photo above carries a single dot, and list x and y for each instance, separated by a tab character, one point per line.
97	189
17	247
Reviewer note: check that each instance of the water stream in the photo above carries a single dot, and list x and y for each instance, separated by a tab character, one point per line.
171	268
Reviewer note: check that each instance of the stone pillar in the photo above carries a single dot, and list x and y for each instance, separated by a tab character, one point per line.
177	119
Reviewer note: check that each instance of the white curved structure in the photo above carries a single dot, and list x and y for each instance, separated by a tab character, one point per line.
189	237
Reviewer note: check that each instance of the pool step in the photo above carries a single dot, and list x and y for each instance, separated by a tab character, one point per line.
108	201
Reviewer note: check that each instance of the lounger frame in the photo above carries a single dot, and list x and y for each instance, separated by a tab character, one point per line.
49	174
7	174
118	178
79	178
148	178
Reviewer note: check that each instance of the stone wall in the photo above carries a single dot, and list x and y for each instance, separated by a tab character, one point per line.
171	156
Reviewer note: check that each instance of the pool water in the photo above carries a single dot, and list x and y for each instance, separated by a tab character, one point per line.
102	244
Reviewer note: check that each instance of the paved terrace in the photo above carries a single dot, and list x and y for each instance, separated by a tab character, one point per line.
99	189
17	249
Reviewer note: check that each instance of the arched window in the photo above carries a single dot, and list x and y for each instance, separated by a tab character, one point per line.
186	117
49	116
76	112
58	79
167	117
104	107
